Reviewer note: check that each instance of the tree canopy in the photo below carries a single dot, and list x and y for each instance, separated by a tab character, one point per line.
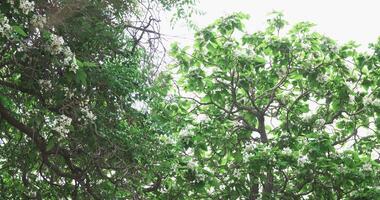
282	113
277	115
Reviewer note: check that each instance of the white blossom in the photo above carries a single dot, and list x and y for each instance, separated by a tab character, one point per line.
228	44
12	2
250	146
303	159
376	102
61	124
45	84
367	100
26	6
281	72
5	28
189	152
56	44
320	123
210	190
69	59
307	116
88	113
74	65
186	132
341	168
141	106
237	173
38	21
287	151
351	98
192	164
222	187
67	52
167	139
321	78
367	167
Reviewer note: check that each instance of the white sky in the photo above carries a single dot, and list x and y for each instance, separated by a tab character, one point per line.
342	20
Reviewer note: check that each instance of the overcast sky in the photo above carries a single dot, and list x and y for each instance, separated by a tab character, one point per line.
343	20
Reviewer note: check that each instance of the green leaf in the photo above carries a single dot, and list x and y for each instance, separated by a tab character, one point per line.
19	30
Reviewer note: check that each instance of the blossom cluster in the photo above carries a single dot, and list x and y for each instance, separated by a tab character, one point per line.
45	84
61	124
26	6
320	123
87	113
321	78
303	160
56	44
57	47
192	164
367	100
5	28
38	21
367	167
287	151
307	116
186	132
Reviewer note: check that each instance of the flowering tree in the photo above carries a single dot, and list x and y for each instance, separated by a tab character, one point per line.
70	73
274	115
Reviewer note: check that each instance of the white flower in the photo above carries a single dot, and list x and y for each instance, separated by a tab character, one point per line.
246	157
45	84
88	113
61	124
341	168
69	93
249	147
303	159
167	139
141	106
189	152
321	78
367	100
192	164
12	2
376	102
228	44
320	123
281	72
38	21
367	167
5	28
237	173
307	116
26	6
287	151
74	66
186	132
210	190
67	52
351	98
56	44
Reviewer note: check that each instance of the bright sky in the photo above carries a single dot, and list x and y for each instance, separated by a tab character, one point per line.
343	20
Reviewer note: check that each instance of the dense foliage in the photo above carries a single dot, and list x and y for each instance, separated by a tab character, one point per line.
276	115
84	114
71	73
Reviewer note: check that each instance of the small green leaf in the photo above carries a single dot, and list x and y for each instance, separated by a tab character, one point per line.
20	31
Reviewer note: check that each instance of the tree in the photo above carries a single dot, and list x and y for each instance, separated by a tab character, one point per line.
71	74
275	115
